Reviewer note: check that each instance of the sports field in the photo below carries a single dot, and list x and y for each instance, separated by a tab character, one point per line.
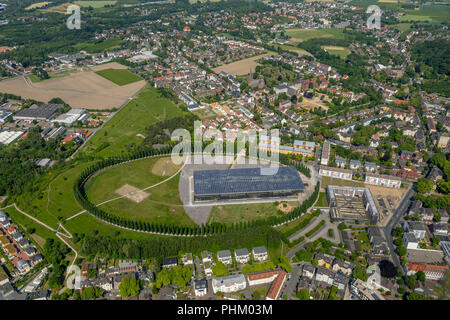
120	77
162	204
299	35
144	110
338	51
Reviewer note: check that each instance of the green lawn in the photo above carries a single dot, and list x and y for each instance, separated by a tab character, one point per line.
244	212
99	46
363	241
87	224
95	4
163	205
138	173
306	34
146	109
322	201
432	13
47	205
340	182
338	51
34	78
259	292
41	233
120	77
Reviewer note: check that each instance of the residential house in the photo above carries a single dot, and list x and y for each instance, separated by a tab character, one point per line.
206	256
340	162
187	259
325	153
370	166
207	267
224	256
355	164
383	180
416	227
324	260
170	262
336	173
200	287
410	240
242	255
325	275
344	267
309	271
260	253
230	283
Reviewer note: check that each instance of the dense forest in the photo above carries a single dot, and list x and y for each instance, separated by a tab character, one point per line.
18	170
434	53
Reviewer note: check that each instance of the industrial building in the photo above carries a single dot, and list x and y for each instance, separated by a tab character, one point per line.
35	112
246	183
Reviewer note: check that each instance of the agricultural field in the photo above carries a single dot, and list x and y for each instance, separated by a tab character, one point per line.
120	77
80	90
299	35
99	46
431	14
95	4
37	5
245	212
300	52
241	67
61	8
128	125
338	51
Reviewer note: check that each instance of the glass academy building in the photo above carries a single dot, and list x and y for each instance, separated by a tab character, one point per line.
246	183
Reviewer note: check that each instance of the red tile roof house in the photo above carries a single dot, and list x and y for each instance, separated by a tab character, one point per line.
276	277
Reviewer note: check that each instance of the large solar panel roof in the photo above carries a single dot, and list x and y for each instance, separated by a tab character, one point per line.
245	180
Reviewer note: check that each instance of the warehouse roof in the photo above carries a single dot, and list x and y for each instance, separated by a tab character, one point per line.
245	180
45	111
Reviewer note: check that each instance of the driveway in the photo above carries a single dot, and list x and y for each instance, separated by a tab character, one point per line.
291	284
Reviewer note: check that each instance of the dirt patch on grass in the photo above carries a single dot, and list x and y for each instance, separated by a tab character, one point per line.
287	208
164	167
132	193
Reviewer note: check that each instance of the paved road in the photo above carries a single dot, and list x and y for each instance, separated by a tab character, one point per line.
396	216
291	284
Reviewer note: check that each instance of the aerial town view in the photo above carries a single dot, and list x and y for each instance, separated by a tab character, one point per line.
241	151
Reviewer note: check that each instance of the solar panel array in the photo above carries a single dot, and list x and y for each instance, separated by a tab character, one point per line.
245	180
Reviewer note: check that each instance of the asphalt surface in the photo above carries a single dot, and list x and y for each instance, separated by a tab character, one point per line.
291	284
396	216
